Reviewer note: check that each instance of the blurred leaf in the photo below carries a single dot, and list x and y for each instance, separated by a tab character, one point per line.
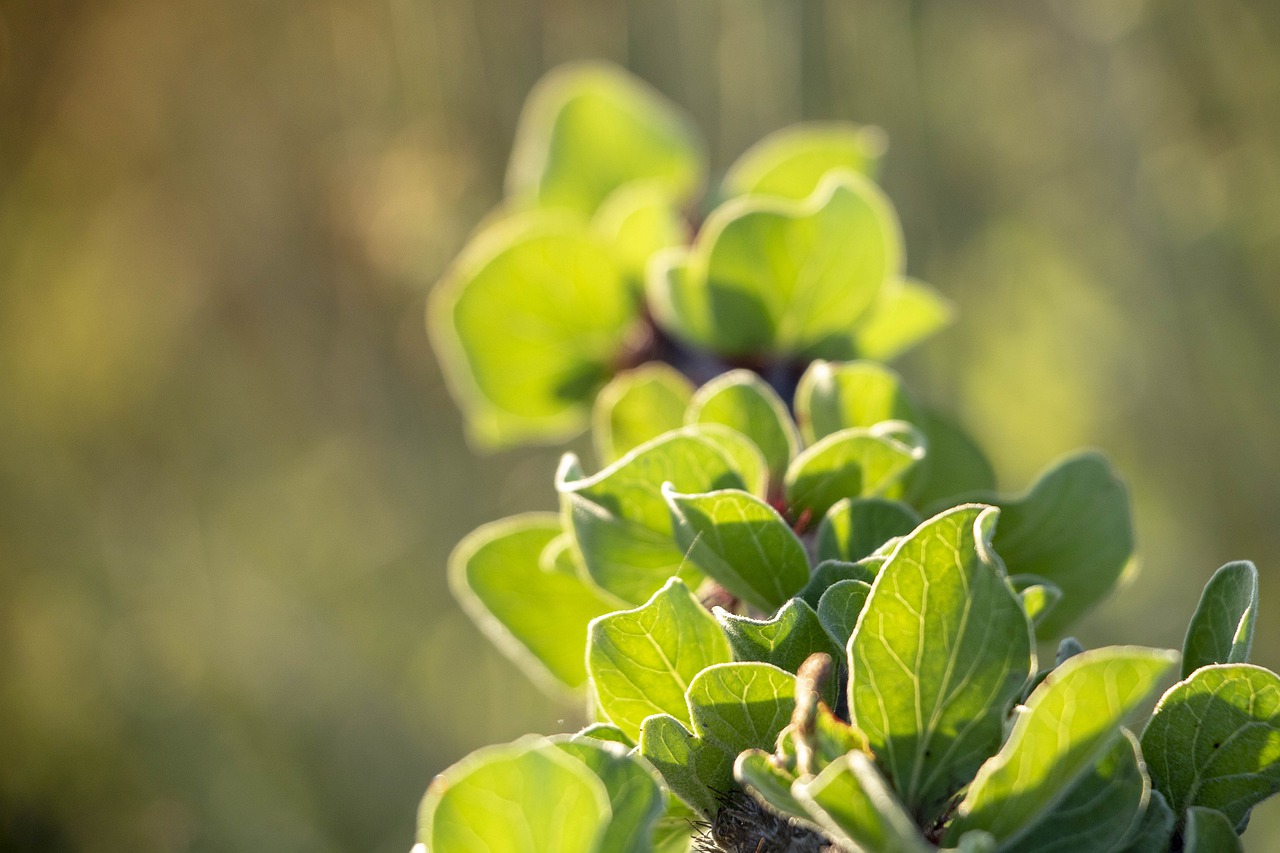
1037	595
743	401
528	371
855	528
742	543
621	522
605	731
1071	720
638	406
758	774
636	800
642	661
1221	631
853	463
1072	528
955	467
539	618
853	803
905	314
1102	808
941	596
786	640
741	451
587	129
1209	831
839	608
771	276
791	162
637	220
1214	740
835	396
1155	829
524	797
674	830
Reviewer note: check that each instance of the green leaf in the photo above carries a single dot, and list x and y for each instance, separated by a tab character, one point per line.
767	275
619	518
636	800
830	572
835	396
1073	529
785	641
1071	720
638	406
1209	831
853	463
1102	808
743	401
638	220
1037	595
537	617
854	528
790	163
524	797
588	129
742	453
906	313
739	706
642	661
674	830
940	654
1214	740
976	842
528	370
1155	829
840	607
761	777
742	543
853	803
694	770
606	732
1221	631
955	466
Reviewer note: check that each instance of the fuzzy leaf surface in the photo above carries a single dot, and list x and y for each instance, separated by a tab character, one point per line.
854	804
743	401
1214	740
855	528
786	640
853	463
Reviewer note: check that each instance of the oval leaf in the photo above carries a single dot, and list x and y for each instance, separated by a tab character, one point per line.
524	797
785	641
538	617
743	401
834	396
1214	740
638	406
1209	831
853	463
741	542
528	371
587	129
790	163
939	655
1221	631
1070	721
642	661
855	528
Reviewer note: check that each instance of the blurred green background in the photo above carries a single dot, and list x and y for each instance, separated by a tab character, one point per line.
229	472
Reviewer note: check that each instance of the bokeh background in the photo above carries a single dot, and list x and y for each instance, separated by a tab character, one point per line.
229	472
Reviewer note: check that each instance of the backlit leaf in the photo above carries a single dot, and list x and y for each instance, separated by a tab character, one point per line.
1221	631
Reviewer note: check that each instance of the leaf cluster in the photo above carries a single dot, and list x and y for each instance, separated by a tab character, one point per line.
802	621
